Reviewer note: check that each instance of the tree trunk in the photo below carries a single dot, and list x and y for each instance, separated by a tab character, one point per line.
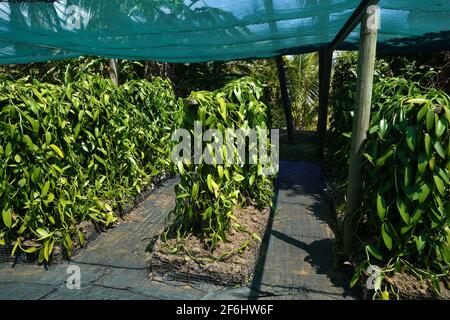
325	64
366	65
285	97
113	71
146	68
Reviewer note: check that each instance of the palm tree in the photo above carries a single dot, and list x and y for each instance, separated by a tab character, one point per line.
303	83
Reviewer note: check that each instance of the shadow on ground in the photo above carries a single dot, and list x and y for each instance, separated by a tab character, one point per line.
295	262
302	210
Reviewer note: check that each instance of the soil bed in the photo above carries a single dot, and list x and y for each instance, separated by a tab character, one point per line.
410	287
407	287
231	263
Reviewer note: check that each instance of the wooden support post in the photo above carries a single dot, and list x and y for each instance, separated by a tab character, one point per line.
113	71
285	97
325	63
366	64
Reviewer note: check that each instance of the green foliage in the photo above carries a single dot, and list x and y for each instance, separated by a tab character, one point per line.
302	80
208	76
69	70
302	72
76	152
342	105
405	210
438	63
406	193
302	75
207	194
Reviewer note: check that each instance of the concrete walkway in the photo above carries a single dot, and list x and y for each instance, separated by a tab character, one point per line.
295	262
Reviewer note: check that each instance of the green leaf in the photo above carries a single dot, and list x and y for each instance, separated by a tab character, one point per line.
50	198
355	279
377	283
57	150
41	257
386	237
30	250
423	192
439	149
35	174
448	148
220	171
417	215
405	229
383	128
430	120
422	112
46	252
103	162
385	295
43	234
81	237
67	242
422	164
420	243
8	149
374	252
207	213
34	123
16	245
180	167
251	180
238	177
27	140
22	182
7	219
427	144
208	182
45	188
443	175
441	125
48	137
194	190
381	161
50	249
417	101
381	207
408	176
403	210
439	183
411	138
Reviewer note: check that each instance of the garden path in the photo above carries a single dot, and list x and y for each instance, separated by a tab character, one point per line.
296	258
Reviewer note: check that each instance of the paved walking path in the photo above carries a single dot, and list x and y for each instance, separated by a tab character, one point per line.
295	262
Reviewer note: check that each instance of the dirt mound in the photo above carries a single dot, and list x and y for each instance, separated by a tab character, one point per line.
410	287
231	263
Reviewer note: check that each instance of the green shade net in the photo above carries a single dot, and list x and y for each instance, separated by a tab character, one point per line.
194	31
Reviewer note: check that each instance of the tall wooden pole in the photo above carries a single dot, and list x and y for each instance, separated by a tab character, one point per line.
285	98
366	64
325	63
113	71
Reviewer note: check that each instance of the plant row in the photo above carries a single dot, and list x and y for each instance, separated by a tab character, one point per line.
77	152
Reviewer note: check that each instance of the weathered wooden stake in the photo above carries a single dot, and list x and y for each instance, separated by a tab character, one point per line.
325	63
366	64
113	71
285	97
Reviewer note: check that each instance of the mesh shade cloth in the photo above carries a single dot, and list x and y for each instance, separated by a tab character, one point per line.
195	31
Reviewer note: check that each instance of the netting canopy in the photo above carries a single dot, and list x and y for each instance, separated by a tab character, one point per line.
204	30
